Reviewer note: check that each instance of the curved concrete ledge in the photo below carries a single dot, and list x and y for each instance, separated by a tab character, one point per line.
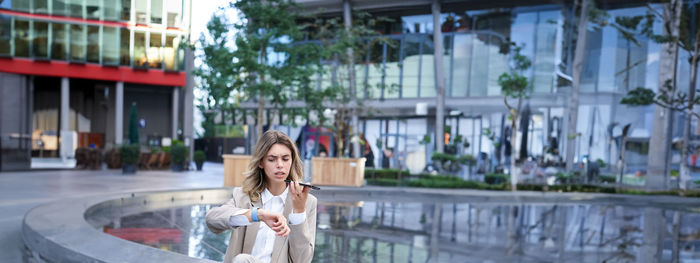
69	230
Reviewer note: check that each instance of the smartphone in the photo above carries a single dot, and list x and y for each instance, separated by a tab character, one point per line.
305	185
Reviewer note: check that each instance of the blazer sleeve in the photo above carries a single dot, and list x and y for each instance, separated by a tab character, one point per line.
218	218
303	236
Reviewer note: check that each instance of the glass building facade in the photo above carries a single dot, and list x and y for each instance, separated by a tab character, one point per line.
139	34
396	74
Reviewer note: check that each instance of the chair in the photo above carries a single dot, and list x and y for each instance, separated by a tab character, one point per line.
164	160
153	161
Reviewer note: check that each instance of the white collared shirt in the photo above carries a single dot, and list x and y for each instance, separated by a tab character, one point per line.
265	239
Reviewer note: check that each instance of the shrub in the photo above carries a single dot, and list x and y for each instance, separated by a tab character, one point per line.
199	156
178	153
129	153
383	182
607	178
384	173
496	178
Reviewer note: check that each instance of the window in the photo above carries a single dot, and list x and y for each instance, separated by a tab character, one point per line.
140	59
157	11
124	40
5	34
110	46
111	10
58	41
77	43
60	7
94	8
154	56
93	44
126	10
141	12
174	8
41	39
20	5
76	8
21	38
170	52
41	6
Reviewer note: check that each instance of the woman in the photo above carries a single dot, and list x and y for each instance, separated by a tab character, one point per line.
259	212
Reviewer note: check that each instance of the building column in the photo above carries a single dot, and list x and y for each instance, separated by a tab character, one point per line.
119	114
188	108
66	148
175	115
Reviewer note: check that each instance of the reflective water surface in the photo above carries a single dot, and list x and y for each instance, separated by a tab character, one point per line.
460	232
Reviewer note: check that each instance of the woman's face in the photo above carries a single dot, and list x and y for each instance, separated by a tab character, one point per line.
277	163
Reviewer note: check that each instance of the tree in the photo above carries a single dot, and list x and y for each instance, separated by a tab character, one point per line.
576	84
338	45
679	31
216	74
133	125
515	85
268	29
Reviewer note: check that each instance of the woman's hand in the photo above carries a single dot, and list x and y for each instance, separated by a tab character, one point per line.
276	221
299	195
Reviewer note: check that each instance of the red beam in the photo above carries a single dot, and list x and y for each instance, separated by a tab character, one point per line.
91	71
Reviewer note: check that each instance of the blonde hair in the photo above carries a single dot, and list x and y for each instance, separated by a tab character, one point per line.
255	180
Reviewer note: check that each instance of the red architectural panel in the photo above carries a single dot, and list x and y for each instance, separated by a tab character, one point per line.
91	71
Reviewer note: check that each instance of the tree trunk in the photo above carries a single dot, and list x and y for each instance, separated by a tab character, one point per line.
657	176
684	176
439	80
576	85
514	172
355	126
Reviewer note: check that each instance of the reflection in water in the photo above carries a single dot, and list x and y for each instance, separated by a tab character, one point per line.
462	232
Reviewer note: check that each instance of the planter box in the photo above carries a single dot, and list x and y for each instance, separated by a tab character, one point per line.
338	171
234	166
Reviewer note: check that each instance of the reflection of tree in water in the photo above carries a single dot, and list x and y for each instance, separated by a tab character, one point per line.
207	244
625	243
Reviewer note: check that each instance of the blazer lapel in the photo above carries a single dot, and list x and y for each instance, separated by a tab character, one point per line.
251	231
280	241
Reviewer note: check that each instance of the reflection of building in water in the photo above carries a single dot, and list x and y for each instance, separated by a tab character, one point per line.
389	232
164	229
370	231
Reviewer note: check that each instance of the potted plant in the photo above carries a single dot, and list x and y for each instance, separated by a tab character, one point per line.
178	152
199	158
130	155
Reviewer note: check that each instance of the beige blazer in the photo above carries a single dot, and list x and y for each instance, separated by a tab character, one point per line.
297	247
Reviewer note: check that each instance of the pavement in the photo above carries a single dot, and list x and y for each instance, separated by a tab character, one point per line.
21	191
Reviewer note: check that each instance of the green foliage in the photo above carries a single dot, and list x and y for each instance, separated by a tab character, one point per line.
129	153
514	85
384	173
199	156
639	97
601	163
178	152
607	179
383	182
494	178
425	140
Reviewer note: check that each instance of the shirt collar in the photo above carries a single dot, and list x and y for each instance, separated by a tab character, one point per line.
266	195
